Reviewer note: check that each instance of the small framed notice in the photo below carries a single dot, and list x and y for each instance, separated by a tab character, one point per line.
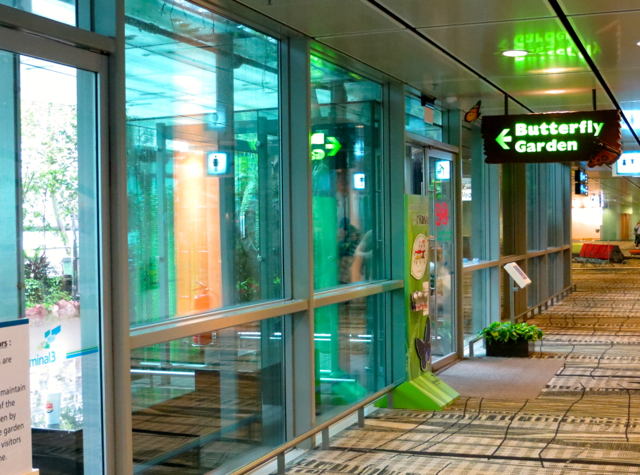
15	408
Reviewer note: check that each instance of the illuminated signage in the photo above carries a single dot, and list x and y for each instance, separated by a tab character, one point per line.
581	180
358	181
554	137
628	165
443	170
324	146
466	189
217	163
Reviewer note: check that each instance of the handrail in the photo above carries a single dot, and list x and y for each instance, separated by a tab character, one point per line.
562	294
280	451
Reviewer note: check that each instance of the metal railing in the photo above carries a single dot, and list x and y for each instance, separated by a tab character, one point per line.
280	452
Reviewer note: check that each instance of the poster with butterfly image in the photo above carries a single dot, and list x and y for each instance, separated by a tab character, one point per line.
417	285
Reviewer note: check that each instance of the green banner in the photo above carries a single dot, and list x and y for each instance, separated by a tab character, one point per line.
417	285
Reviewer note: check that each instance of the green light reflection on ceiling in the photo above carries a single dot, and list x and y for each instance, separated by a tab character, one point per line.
548	50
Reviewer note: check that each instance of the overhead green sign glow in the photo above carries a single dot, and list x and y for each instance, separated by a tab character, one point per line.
555	137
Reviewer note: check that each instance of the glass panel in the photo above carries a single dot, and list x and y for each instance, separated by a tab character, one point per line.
554	201
60	10
350	353
552	273
211	401
415	157
424	121
203	137
476	205
442	257
476	305
346	117
534	275
533	207
56	246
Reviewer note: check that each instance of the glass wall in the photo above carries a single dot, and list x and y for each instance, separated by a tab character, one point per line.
349	353
60	10
346	158
203	150
426	121
479	205
50	248
210	401
478	301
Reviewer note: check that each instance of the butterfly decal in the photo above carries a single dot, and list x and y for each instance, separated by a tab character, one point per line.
473	113
423	348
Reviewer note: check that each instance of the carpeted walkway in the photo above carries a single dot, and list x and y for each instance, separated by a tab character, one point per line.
585	421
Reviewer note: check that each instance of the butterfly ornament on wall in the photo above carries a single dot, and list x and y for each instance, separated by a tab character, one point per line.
423	348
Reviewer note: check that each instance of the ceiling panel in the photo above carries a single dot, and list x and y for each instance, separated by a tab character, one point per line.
576	7
612	37
625	84
480	46
403	55
325	17
428	13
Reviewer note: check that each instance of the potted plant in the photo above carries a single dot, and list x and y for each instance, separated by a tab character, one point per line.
510	339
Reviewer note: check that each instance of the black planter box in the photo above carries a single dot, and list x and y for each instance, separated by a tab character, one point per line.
506	350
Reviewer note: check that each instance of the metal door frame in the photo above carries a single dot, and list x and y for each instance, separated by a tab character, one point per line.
434	148
41	47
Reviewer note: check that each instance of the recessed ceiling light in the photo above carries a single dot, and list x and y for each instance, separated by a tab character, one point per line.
555	91
638	43
515	53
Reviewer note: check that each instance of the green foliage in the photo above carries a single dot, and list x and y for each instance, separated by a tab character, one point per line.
41	287
49	166
505	332
248	290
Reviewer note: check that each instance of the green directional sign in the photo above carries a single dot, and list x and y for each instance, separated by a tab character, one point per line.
503	138
323	146
554	137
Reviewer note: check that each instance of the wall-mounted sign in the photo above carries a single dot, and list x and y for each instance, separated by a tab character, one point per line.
358	181
443	170
581	182
217	163
553	137
466	188
628	165
324	146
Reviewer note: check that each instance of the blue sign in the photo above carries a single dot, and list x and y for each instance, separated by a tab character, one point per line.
217	163
443	170
628	164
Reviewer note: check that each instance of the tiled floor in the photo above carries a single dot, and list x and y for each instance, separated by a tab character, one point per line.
586	421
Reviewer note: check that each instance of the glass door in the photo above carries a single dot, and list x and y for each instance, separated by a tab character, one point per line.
50	246
442	256
430	172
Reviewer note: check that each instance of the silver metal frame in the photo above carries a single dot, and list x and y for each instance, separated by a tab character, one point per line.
19	42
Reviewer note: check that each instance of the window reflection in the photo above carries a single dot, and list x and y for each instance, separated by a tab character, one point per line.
211	401
350	356
345	155
203	159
